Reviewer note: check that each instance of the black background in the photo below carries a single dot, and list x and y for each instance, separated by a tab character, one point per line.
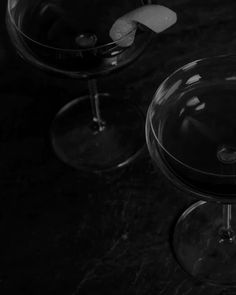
64	231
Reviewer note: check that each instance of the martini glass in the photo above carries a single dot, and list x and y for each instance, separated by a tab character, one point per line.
191	136
99	131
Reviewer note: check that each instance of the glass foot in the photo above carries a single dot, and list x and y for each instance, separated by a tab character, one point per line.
203	247
79	142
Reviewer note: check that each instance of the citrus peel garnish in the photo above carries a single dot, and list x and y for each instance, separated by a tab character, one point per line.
155	17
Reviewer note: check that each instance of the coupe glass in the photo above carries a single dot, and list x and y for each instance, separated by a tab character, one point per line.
191	135
100	131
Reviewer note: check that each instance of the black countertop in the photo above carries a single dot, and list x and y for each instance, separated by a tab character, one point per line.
66	232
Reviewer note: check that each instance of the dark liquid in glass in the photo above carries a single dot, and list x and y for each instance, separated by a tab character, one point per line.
200	137
69	35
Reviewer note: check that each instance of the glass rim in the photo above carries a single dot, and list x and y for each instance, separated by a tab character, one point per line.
126	36
186	67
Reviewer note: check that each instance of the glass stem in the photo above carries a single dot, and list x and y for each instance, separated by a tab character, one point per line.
226	233
227	215
94	99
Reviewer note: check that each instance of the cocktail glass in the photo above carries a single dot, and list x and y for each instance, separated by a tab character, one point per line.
99	131
191	136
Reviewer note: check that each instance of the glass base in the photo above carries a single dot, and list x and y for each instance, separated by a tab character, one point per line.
78	142
201	247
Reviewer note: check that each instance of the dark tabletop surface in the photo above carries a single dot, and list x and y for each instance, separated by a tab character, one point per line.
67	232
